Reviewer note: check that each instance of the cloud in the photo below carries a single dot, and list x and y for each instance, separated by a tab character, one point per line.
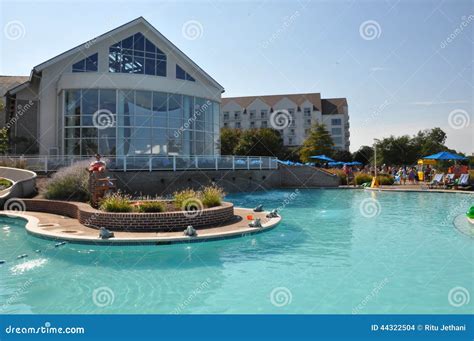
377	68
430	103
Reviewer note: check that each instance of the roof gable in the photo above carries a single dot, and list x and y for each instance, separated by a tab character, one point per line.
129	25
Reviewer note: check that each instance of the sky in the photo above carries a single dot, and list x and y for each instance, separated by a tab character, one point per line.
403	66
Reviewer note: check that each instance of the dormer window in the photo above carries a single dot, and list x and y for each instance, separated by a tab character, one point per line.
181	74
136	54
88	64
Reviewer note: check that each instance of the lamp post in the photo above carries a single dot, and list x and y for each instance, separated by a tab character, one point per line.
375	182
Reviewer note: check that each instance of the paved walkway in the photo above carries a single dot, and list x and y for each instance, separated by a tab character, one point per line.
56	227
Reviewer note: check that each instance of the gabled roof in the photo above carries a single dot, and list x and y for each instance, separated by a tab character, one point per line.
271	100
139	20
333	106
9	82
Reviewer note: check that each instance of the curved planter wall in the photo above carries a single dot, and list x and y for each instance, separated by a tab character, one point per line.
23	183
166	221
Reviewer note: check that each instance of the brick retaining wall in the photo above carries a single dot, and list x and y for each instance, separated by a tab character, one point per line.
165	221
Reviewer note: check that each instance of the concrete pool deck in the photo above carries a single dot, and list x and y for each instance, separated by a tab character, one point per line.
62	228
409	188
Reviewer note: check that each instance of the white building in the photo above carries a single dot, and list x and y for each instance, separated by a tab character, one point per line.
128	92
292	114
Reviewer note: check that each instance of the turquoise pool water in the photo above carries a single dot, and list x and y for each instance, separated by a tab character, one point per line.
336	251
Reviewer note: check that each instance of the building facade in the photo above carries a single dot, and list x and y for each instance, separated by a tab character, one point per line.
128	92
292	114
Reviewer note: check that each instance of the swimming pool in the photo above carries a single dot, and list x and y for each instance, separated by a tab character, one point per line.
336	251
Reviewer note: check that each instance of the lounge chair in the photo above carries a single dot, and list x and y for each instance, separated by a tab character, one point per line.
437	180
463	182
448	180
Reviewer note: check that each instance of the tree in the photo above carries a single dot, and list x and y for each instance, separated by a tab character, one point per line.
259	142
430	141
4	141
319	141
397	151
364	155
229	140
342	155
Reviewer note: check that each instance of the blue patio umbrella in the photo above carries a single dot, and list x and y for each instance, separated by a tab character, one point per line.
322	158
445	156
354	163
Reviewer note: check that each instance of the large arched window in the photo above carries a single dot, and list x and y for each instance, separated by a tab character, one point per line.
136	54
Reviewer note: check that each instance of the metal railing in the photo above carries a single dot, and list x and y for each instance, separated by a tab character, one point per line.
145	163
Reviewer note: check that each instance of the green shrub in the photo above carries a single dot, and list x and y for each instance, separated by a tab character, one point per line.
116	202
4	183
212	196
70	183
182	198
151	206
361	178
386	180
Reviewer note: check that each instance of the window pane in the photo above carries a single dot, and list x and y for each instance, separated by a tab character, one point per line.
90	101
73	147
107	146
107	100
161	68
89	146
72	133
79	66
143	103
91	63
150	67
89	132
73	102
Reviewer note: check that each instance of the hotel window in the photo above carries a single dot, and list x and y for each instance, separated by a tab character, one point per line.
264	124
336	131
292	132
136	54
88	64
237	115
252	124
237	124
226	115
263	113
290	140
225	125
307	112
252	113
336	122
181	74
337	140
308	122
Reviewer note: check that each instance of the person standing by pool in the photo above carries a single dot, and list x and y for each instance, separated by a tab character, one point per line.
411	176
